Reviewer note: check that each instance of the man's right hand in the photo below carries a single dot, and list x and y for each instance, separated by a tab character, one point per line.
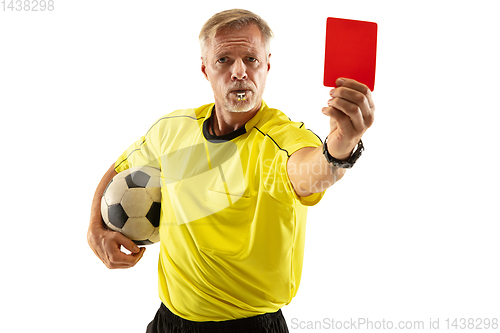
105	243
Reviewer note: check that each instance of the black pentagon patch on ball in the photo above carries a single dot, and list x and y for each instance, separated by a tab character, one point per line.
137	179
154	214
117	215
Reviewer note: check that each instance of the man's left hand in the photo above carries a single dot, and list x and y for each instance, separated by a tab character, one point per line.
351	111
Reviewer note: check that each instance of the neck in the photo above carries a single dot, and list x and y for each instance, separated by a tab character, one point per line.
225	122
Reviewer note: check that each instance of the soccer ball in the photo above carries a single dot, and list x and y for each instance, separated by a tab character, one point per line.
131	204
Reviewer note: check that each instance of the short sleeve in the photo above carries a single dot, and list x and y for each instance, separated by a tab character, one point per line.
143	152
289	139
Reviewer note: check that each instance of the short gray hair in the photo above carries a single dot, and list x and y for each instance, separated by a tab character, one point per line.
234	18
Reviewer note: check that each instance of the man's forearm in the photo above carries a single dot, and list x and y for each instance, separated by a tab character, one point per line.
105	243
95	211
310	173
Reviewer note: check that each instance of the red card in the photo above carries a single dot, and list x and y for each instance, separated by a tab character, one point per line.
351	51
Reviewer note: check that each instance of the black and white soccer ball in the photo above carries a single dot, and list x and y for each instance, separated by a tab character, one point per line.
131	204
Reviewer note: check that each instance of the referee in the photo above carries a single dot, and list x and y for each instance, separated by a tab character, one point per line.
237	178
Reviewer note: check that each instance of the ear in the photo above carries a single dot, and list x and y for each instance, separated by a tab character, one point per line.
269	62
204	69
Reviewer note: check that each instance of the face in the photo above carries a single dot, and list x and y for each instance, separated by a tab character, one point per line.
236	62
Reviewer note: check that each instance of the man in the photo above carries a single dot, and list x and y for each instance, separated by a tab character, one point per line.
237	177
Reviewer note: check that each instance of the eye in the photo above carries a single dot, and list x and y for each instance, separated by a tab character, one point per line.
222	60
252	59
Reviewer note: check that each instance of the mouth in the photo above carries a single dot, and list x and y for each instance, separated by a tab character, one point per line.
240	94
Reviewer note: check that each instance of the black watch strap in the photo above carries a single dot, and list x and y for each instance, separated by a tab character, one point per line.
343	164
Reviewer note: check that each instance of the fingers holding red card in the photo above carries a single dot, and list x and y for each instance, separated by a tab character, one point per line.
350	51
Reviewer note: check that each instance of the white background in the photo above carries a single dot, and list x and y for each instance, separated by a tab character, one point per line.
411	233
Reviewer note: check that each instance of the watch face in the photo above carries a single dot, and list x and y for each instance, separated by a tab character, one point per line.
333	161
343	164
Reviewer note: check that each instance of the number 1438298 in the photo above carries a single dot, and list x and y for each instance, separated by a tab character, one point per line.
27	5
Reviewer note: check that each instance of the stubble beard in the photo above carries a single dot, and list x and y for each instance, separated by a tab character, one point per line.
240	106
250	102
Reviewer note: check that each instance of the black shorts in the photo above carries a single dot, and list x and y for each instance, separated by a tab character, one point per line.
165	321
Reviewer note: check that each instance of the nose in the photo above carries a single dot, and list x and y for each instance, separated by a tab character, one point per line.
238	71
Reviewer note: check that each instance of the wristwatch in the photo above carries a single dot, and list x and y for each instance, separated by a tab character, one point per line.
343	164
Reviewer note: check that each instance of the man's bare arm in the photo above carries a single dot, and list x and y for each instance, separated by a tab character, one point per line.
105	243
310	173
351	112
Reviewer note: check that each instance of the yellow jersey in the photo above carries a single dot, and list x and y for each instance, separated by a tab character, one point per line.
232	229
